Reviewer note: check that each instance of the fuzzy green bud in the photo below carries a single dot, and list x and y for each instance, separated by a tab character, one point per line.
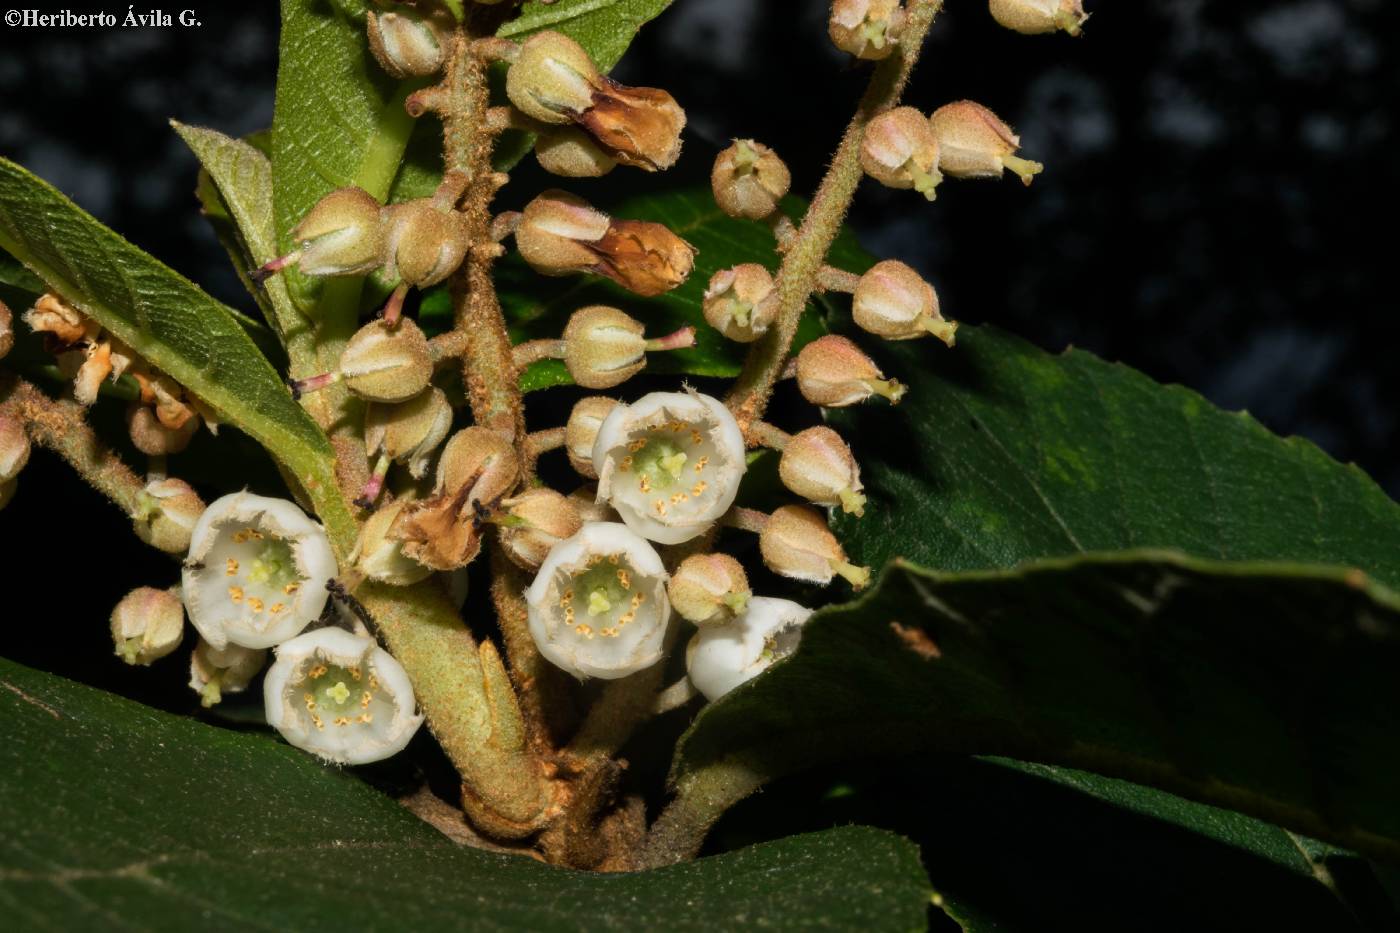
147	625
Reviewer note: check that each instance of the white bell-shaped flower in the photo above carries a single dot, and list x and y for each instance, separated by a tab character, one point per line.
598	605
341	697
669	463
257	571
721	657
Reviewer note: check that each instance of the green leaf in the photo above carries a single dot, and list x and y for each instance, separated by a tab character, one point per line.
1264	688
1012	454
537	307
120	816
235	190
168	321
604	27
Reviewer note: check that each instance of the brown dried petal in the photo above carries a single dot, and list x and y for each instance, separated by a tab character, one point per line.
639	126
643	257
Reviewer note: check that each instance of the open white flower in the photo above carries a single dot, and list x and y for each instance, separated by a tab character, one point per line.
341	697
257	571
598	606
669	463
721	657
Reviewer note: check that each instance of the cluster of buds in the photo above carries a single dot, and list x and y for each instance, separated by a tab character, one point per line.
902	148
165	416
553	80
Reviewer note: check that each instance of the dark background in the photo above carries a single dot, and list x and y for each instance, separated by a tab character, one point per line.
1213	212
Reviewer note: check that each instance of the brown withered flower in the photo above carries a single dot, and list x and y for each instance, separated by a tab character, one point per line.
562	234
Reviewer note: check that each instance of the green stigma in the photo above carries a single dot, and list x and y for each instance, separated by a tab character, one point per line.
274	565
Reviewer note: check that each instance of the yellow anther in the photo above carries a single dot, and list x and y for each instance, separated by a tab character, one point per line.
342	720
678	498
319	723
625	618
276	608
255	604
699	488
365	699
660	507
310	699
240	536
318	671
235	593
231	567
608	632
626	463
373	682
644	483
584	630
366	717
637	600
291	588
637	445
623	579
696	437
354	673
700	464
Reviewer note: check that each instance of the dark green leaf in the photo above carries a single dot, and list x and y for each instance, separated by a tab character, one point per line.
1265	688
537	307
118	816
165	318
604	27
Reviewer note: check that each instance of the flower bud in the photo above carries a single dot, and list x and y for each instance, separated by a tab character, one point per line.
424	245
833	372
670	464
709	589
380	556
14	447
409	432
721	657
166	514
405	43
893	301
1035	17
387	363
581	431
147	625
477	468
343	234
561	234
748	180
603	347
585	500
7	330
973	142
7	492
552	79
598	607
796	543
216	671
818	466
537	520
899	150
341	697
154	439
572	153
867	29
257	571
741	303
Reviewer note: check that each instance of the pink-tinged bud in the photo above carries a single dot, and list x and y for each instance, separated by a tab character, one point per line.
603	347
1035	17
405	43
167	511
572	153
561	234
147	625
818	466
477	468
216	671
151	437
748	180
973	142
380	556
741	303
709	589
893	301
410	431
581	432
425	244
833	372
535	521
867	29
64	325
554	80
387	363
900	150
343	234
7	330
796	543
14	447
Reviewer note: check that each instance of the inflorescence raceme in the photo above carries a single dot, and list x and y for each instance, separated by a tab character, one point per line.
609	561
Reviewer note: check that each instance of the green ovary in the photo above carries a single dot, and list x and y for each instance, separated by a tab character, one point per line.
661	462
336	691
274	566
601	592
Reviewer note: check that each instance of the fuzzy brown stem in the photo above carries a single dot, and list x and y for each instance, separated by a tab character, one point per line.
701	799
805	256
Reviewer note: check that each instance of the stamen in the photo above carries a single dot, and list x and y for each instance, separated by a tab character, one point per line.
624	579
255	604
231	568
235	593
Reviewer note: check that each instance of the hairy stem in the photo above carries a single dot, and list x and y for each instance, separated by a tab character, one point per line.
799	275
701	799
61	426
